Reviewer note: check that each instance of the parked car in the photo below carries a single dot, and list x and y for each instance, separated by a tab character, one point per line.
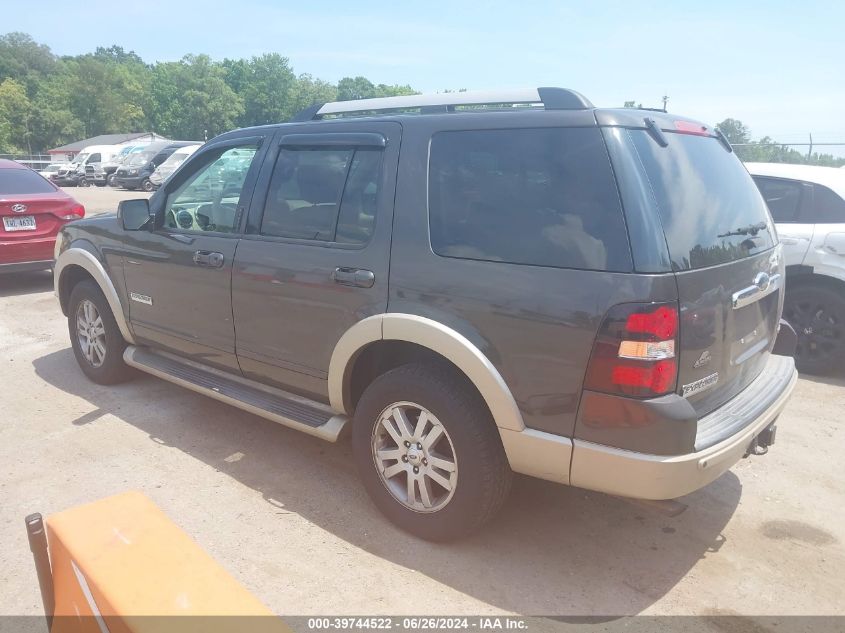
109	169
808	206
79	172
33	210
136	171
585	295
50	170
171	164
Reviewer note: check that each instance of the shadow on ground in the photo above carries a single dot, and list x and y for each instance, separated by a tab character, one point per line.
18	284
553	549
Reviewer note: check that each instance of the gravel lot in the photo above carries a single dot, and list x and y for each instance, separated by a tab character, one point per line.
102	199
285	514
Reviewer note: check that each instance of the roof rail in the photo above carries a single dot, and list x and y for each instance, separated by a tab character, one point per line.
549	98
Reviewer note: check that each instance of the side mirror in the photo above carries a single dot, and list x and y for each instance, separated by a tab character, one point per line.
134	214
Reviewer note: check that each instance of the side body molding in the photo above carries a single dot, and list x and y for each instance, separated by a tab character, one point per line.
529	451
84	259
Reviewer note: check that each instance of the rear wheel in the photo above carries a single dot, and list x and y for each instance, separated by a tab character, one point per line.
146	185
429	453
95	337
111	180
83	182
818	315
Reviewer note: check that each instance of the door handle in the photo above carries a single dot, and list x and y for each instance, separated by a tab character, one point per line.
353	277
208	259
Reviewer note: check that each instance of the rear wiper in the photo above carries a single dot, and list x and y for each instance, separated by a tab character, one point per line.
751	229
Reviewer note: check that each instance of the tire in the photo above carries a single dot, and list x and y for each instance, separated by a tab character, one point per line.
818	315
146	185
110	181
106	367
83	182
468	442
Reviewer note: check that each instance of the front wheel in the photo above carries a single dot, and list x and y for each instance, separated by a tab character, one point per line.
146	185
95	337
83	182
818	315
429	453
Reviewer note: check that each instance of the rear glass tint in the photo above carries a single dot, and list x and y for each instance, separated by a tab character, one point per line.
710	209
782	196
543	197
17	181
828	206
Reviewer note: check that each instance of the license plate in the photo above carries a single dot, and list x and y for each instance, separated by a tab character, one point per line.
22	223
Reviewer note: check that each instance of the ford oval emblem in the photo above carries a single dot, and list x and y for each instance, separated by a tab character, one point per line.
18	208
762	281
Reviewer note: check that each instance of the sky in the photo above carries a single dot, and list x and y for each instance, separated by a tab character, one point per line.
779	67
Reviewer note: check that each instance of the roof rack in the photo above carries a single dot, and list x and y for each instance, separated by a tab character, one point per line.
549	98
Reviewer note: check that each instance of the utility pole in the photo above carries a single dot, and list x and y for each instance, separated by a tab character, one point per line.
665	99
810	151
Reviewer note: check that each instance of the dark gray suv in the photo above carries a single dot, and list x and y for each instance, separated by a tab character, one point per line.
473	284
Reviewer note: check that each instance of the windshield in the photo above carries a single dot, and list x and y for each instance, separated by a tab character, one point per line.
710	208
141	158
79	159
19	181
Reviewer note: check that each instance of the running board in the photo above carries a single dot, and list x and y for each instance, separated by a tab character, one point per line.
273	404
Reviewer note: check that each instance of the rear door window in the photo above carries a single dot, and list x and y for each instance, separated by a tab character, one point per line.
828	206
782	196
711	211
544	197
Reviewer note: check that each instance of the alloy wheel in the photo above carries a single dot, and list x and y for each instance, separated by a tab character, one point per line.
820	331
91	333
414	457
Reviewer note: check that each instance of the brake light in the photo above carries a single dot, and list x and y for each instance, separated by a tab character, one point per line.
634	351
688	127
76	212
662	323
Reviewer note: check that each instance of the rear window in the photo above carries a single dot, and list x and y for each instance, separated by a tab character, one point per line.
544	197
711	211
17	181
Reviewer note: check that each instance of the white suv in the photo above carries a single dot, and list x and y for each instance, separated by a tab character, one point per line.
808	206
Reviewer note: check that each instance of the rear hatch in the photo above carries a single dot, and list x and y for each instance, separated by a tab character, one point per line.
721	245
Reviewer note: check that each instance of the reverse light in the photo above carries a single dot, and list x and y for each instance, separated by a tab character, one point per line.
634	351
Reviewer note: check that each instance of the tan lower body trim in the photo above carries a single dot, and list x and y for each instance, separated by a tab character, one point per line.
629	474
538	454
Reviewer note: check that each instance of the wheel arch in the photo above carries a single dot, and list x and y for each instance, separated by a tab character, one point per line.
76	264
433	338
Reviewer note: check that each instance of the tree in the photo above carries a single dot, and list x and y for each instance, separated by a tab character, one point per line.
349	89
15	114
190	99
735	131
265	84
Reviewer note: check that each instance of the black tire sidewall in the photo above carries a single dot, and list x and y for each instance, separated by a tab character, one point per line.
832	301
113	370
479	453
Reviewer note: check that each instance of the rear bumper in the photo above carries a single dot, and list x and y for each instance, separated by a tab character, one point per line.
27	253
629	474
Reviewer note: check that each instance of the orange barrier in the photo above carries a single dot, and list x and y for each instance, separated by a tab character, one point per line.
120	565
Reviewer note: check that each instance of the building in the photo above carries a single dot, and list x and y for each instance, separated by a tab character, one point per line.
67	152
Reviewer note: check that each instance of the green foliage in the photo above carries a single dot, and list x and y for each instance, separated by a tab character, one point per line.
47	101
767	150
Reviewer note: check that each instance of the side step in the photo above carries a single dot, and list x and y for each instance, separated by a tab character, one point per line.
279	406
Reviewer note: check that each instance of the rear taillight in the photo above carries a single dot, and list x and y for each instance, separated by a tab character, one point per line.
688	127
634	351
76	212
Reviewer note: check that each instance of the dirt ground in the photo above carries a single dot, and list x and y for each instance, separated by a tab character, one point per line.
102	199
285	514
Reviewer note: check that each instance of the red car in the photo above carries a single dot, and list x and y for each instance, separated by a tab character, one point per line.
32	210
